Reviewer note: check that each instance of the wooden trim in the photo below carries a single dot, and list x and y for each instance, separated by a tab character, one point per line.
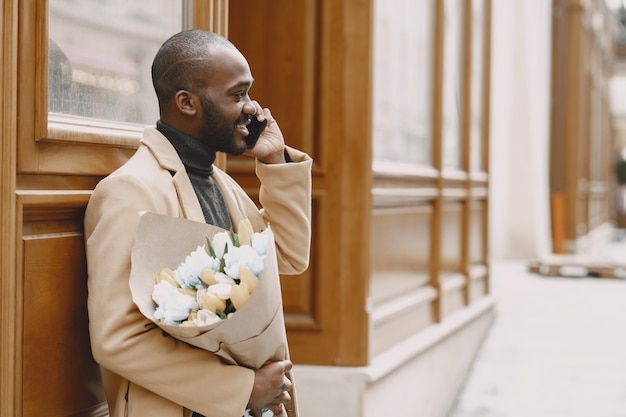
486	103
437	129
466	117
356	16
10	378
212	15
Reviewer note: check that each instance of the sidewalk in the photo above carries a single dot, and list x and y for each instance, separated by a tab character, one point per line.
557	348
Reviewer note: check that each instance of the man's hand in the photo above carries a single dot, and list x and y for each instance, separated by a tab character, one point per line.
270	147
270	388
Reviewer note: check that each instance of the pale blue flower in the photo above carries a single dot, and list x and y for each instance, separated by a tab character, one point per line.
266	413
260	242
188	274
173	306
242	256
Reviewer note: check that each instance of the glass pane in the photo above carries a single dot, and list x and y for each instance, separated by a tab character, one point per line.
100	54
477	77
402	81
451	133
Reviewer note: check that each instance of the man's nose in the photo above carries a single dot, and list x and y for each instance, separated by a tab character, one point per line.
248	107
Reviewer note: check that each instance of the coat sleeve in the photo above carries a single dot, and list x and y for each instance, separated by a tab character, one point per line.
123	340
285	197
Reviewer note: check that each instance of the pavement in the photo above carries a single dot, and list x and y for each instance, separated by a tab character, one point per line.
557	347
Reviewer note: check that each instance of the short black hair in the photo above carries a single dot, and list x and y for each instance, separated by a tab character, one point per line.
182	61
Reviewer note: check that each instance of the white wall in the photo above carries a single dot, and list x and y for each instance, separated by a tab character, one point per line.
520	129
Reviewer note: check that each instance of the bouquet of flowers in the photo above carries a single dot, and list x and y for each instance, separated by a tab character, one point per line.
214	281
211	288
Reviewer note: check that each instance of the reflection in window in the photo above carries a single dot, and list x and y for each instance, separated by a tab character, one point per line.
100	54
402	81
451	133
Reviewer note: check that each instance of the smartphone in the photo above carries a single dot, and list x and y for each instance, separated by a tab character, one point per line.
254	131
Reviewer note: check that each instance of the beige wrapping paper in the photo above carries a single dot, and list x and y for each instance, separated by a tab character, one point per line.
252	336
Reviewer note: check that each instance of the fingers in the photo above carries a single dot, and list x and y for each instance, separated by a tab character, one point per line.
287	365
287	385
277	409
262	113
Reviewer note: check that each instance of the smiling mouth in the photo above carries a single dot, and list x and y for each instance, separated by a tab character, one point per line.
243	127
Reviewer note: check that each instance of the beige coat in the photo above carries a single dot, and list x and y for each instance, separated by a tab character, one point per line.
161	376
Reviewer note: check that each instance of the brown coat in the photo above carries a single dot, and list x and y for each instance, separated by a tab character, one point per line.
160	376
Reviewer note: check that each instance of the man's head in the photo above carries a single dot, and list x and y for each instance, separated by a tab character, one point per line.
202	82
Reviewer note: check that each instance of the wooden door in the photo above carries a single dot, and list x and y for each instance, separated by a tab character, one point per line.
50	162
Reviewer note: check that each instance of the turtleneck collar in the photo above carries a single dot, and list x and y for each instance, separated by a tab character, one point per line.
197	157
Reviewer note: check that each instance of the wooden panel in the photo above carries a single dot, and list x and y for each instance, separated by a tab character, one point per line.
451	237
453	293
476	238
400	239
401	317
299	292
57	372
283	66
309	79
60	376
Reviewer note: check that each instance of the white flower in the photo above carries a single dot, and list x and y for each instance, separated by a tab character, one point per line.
242	256
219	242
260	242
173	306
221	290
222	278
188	274
206	318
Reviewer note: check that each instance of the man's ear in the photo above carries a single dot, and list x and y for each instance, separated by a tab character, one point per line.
186	102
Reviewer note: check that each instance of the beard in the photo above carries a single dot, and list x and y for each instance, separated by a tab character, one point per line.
217	132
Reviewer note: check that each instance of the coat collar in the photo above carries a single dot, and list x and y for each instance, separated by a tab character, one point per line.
168	159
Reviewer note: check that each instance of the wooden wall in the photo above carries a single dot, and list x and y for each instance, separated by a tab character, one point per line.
378	235
311	68
49	167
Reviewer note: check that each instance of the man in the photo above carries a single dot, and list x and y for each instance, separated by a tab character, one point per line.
202	83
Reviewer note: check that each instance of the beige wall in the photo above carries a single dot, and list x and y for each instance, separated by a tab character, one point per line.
520	129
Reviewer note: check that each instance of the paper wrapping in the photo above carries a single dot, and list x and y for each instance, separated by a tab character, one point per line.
252	336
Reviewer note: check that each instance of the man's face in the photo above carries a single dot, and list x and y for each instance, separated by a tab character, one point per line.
226	107
219	130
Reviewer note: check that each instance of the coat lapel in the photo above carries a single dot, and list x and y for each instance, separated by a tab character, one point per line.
168	159
239	204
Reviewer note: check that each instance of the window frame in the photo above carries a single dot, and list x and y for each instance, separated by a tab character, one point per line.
97	146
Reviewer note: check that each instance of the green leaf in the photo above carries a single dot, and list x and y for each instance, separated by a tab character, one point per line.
234	238
210	247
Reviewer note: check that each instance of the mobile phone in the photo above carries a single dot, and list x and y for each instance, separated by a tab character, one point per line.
254	131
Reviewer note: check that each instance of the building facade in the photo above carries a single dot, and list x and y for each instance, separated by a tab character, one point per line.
400	103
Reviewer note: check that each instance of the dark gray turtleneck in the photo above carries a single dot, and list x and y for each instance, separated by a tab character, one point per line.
198	159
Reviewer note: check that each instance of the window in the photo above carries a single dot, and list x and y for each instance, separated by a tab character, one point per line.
100	54
451	131
403	34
